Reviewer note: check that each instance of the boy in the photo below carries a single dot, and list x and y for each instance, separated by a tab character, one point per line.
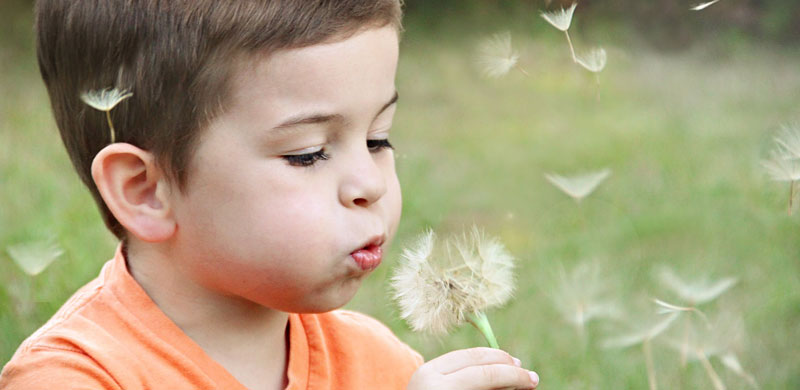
251	182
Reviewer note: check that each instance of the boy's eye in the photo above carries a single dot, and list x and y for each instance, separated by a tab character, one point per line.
306	159
309	159
376	145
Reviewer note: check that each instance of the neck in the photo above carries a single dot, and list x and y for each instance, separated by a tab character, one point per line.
249	340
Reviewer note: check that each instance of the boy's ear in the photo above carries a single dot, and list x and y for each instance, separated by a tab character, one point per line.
135	190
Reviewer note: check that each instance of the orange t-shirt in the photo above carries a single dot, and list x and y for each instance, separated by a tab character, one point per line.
111	335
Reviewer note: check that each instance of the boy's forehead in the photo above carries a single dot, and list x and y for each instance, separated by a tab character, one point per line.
366	49
322	72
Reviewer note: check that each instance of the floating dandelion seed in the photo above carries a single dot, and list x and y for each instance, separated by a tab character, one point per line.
703	6
672	309
438	288
562	19
594	61
34	257
581	296
784	162
695	292
719	339
579	186
637	336
782	167
497	57
669	308
643	336
105	100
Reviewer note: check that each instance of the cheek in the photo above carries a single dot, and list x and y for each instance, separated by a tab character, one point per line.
290	224
249	218
280	216
261	245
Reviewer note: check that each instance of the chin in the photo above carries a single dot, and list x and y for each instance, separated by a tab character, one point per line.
333	301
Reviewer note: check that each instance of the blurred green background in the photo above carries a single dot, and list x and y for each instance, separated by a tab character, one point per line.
689	103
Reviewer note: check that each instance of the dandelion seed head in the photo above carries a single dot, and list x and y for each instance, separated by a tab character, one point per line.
437	287
694	292
579	186
105	99
34	257
561	18
496	55
594	61
490	265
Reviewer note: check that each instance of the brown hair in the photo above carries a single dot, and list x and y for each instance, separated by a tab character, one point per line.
177	57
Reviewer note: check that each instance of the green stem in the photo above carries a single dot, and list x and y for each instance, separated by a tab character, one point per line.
479	321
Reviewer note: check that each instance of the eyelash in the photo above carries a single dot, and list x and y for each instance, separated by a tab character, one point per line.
305	160
309	159
376	145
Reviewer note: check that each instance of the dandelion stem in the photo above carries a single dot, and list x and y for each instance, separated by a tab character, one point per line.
648	359
111	126
571	49
479	321
718	385
521	69
791	195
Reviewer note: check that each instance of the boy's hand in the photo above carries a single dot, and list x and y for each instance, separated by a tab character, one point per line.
473	369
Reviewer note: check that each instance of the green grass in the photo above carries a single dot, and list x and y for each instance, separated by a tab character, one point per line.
682	132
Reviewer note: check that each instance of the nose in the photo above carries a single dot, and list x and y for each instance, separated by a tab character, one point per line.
363	183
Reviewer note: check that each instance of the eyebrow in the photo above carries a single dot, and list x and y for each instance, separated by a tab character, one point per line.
314	118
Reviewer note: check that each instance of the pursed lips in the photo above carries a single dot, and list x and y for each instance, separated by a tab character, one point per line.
369	256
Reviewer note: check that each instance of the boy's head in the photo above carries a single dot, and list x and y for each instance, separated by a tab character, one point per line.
179	58
253	159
